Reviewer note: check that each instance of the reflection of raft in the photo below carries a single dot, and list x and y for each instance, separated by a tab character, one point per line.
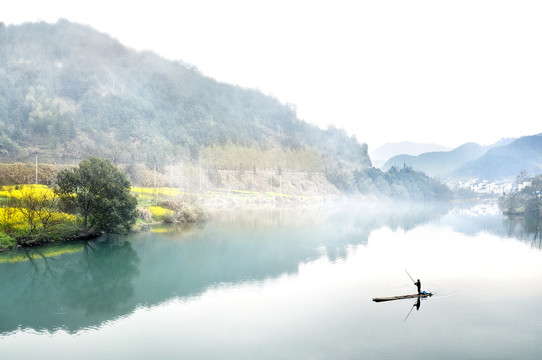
399	297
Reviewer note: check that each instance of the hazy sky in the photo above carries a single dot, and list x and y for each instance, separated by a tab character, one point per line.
445	72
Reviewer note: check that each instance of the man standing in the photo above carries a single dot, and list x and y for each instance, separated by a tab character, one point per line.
419	286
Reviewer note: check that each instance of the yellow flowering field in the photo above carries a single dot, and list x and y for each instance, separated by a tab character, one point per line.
21	191
156	191
14	218
159	212
20	220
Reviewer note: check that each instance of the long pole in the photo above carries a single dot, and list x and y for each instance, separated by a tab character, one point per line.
36	168
410	276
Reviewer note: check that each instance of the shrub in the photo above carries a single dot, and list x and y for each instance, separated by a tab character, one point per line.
184	211
144	214
7	242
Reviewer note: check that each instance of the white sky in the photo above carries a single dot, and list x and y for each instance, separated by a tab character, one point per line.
445	72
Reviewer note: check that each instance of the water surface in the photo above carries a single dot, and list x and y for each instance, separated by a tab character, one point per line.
283	284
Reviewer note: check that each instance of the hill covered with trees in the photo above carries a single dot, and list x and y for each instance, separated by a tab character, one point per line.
68	92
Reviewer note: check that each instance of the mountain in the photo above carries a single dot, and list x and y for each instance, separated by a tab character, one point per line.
68	92
387	151
506	161
438	163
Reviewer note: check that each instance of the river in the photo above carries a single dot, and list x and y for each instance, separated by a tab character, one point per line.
284	284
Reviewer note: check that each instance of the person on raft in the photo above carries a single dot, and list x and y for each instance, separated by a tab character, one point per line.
419	286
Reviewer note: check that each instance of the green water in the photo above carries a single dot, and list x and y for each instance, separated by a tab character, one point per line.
283	284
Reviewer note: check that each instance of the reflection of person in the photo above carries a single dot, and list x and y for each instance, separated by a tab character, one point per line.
417	304
419	286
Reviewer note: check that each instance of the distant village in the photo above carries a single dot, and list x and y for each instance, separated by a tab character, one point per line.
481	186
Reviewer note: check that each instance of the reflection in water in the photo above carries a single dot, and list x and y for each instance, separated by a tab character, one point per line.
115	275
416	305
103	278
525	227
67	289
471	219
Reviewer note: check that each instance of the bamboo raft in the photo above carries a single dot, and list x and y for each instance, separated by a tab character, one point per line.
399	297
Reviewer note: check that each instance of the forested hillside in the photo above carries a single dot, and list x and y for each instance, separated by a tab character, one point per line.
68	92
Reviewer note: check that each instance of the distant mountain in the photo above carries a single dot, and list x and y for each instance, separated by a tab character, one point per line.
387	151
68	92
438	163
507	161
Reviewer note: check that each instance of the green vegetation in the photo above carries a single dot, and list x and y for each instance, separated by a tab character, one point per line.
100	194
68	92
523	206
6	242
398	184
524	200
31	214
90	199
167	205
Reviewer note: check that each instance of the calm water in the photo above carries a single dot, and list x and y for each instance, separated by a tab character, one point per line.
283	284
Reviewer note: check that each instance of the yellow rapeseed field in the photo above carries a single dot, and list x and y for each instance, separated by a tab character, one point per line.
16	219
159	212
21	191
156	191
19	219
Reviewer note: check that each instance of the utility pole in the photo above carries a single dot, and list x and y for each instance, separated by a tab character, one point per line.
36	168
201	182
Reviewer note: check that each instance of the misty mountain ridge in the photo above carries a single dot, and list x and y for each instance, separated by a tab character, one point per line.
500	161
438	163
68	91
384	152
505	162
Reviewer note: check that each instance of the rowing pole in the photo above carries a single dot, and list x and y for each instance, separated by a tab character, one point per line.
412	308
410	276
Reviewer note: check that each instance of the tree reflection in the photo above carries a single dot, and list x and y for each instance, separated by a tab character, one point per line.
68	285
104	278
525	227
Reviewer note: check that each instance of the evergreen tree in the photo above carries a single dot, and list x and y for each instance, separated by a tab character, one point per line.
100	194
